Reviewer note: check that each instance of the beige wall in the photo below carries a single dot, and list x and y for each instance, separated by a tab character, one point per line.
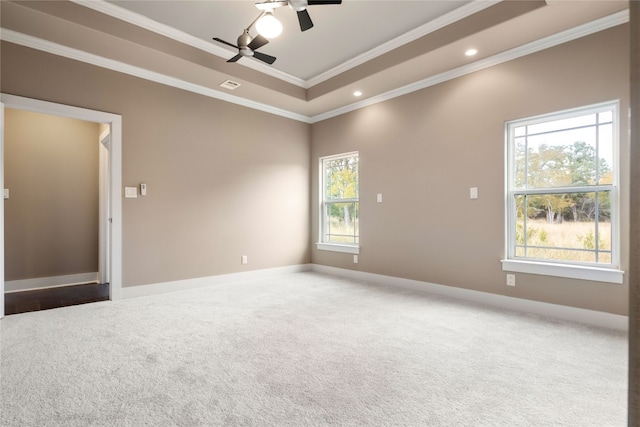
223	180
424	151
51	217
226	181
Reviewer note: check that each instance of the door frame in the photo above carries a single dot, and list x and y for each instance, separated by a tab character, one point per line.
114	121
104	142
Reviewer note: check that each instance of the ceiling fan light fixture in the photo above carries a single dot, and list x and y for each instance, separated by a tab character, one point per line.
245	51
268	26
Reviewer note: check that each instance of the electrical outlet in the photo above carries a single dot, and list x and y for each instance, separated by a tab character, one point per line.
244	260
511	279
355	259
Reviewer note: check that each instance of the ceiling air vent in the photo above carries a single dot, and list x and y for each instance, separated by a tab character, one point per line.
230	84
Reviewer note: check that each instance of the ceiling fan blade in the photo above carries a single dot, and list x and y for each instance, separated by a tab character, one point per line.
258	42
235	58
269	5
224	42
305	20
264	57
318	2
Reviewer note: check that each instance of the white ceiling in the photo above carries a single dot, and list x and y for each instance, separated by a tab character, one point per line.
383	48
340	32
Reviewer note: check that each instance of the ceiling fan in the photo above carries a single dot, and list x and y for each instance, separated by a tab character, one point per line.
300	6
247	46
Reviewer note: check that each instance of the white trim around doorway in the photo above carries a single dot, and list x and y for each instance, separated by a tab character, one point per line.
115	176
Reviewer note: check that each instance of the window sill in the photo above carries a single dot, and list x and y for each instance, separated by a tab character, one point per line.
335	247
598	274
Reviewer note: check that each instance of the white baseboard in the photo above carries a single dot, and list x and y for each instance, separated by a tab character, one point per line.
202	282
581	315
49	282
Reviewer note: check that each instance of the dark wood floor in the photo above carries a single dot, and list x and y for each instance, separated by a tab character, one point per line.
44	299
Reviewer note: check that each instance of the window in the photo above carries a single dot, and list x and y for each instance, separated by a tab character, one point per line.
562	214
339	213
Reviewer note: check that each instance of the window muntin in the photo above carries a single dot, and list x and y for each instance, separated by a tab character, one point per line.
340	214
561	201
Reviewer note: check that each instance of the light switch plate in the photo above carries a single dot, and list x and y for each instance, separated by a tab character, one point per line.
130	192
473	192
379	198
6	193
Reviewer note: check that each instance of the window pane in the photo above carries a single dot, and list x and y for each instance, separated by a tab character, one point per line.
342	223
605	149
520	131
605	117
604	221
604	257
562	159
520	219
573	122
560	255
341	178
563	226
520	163
581	163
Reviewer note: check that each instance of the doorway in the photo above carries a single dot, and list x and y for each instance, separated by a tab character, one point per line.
110	206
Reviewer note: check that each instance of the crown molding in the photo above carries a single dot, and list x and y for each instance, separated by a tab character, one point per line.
601	24
99	61
438	23
141	21
593	27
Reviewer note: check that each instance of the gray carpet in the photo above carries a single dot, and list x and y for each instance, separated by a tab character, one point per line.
306	350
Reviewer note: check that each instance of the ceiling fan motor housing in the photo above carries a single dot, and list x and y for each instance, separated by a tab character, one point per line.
244	40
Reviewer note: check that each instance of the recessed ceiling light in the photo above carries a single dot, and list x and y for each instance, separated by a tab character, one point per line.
357	93
471	52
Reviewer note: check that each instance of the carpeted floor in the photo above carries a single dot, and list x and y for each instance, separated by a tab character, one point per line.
306	350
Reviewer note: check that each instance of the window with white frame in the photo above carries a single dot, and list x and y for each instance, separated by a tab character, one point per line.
562	188
339	211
